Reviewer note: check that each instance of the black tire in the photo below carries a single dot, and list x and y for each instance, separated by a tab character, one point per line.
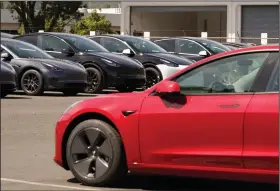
36	86
153	76
96	80
116	163
125	89
70	92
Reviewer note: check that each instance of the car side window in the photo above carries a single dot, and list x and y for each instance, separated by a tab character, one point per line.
113	45
235	74
273	83
96	39
50	43
30	39
168	45
189	47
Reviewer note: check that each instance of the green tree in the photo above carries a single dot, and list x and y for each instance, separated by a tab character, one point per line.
93	22
50	16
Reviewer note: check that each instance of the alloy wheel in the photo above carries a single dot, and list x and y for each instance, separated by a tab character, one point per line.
93	81
31	83
91	152
151	79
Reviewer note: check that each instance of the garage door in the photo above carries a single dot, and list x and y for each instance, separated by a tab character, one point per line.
177	9
260	19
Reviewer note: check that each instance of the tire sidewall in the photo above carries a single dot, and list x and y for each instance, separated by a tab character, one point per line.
155	71
40	89
100	76
116	146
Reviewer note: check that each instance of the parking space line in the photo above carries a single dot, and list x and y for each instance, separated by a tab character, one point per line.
47	185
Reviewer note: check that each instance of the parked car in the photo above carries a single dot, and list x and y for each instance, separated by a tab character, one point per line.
217	118
192	47
158	63
238	45
37	71
7	79
104	69
7	35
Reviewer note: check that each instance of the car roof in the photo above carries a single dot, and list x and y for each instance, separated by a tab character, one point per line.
9	39
118	36
51	33
7	35
187	37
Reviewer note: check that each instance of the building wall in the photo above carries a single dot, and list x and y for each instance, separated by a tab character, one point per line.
179	23
233	25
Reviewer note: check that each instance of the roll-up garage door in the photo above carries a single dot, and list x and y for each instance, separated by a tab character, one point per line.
177	9
260	19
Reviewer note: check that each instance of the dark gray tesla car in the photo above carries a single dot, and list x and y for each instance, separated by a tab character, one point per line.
7	79
37	71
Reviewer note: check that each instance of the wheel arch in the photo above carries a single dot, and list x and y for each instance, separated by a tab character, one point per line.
152	65
74	123
19	76
95	65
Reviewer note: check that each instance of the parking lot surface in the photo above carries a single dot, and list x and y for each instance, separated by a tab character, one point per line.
27	150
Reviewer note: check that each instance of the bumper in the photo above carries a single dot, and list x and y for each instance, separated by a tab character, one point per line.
132	80
8	86
166	71
62	80
61	126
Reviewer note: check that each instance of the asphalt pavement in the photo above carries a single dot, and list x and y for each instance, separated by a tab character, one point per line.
27	150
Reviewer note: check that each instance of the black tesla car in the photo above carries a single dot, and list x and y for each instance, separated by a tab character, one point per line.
7	35
104	69
37	71
235	45
7	79
158	63
192	47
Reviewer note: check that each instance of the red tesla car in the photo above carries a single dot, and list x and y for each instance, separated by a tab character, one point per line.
218	118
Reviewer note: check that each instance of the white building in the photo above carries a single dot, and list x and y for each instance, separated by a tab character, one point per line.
241	20
220	18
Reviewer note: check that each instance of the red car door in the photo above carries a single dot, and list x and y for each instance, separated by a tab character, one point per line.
203	126
261	125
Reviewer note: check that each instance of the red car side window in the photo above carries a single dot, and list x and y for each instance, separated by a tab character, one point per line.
234	74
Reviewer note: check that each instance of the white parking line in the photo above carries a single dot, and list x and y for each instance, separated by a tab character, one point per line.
47	185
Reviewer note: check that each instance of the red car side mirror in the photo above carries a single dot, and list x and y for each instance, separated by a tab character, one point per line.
168	87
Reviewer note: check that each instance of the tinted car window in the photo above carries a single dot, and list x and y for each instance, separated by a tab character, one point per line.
96	39
232	74
51	43
113	45
25	50
214	46
83	44
142	45
168	45
30	39
273	83
189	47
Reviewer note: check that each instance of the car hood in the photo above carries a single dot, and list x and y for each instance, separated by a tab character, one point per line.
121	59
63	64
171	58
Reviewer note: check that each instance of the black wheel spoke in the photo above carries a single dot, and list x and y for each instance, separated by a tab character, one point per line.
84	166
105	149
101	167
93	136
79	146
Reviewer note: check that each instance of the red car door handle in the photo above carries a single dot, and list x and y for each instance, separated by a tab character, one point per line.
229	106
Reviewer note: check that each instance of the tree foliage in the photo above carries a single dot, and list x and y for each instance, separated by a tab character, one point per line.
93	22
50	16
